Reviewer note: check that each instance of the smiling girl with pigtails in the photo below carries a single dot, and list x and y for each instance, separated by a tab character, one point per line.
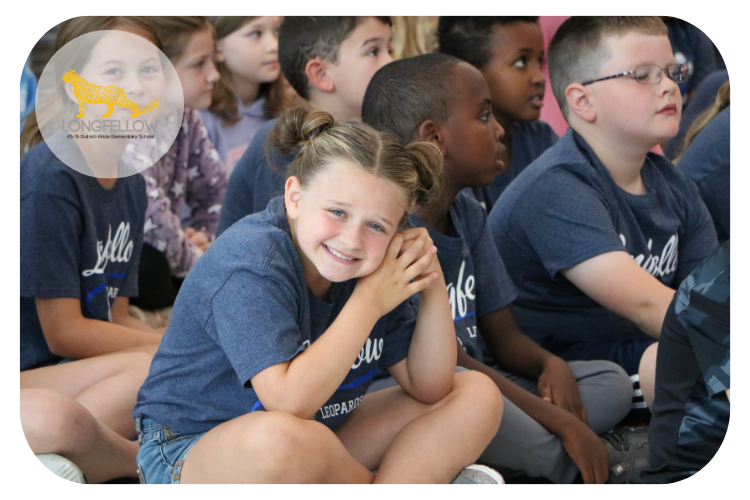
281	325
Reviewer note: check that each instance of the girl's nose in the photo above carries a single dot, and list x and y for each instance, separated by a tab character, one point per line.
352	238
213	73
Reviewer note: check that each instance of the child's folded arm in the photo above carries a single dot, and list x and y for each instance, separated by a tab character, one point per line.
69	334
302	385
616	282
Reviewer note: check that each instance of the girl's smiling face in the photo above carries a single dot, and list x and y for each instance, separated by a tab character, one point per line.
131	63
196	70
342	223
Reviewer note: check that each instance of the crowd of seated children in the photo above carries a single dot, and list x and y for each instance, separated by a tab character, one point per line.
329	62
242	101
598	231
514	285
443	100
81	240
509	51
190	173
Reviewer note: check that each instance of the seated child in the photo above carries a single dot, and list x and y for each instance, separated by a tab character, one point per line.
702	100
439	98
598	230
691	407
705	160
281	325
509	51
81	240
189	173
329	62
248	55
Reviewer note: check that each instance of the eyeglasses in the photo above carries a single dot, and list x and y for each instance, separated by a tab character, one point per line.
651	73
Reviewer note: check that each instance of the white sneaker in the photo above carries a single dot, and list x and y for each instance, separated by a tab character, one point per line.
479	474
62	467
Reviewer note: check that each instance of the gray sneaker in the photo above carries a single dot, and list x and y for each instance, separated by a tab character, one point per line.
628	453
62	467
479	474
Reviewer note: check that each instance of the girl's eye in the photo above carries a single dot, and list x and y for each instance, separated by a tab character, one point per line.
112	72
520	63
377	227
149	70
485	117
373	52
337	213
199	64
256	34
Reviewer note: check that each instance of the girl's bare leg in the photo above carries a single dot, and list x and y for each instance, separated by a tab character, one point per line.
54	423
271	447
411	442
647	374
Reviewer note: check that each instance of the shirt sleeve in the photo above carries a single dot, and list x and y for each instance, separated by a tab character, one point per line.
207	180
400	325
256	323
707	326
163	230
565	220
51	227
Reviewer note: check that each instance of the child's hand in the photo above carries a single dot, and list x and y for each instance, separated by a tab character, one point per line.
413	235
558	386
587	451
197	238
391	284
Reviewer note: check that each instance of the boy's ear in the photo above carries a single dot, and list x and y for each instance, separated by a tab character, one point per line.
292	195
317	72
431	132
579	103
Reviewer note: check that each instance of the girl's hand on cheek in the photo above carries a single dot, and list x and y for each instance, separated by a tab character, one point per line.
391	283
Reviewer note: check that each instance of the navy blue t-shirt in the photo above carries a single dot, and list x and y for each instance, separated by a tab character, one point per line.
253	182
565	209
706	162
245	306
528	141
477	281
704	98
691	408
78	240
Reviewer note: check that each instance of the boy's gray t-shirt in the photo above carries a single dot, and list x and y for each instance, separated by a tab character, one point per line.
245	306
78	240
565	209
477	281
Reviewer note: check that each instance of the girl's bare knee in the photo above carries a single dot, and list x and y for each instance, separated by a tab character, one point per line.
282	440
481	392
53	422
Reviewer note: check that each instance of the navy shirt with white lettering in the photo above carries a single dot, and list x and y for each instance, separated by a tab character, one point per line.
477	281
565	209
528	141
245	306
78	240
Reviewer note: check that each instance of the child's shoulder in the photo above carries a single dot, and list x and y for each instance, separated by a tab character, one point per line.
538	130
41	169
260	242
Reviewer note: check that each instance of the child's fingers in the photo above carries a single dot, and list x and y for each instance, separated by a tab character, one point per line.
419	285
413	233
394	248
422	265
412	254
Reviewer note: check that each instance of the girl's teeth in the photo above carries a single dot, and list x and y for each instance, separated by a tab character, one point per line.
334	252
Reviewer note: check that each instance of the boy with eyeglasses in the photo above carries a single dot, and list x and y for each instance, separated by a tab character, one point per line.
598	232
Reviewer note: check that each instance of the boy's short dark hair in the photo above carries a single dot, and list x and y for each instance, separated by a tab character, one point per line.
405	93
578	50
302	38
468	38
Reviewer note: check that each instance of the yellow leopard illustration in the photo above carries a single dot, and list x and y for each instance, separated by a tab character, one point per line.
88	93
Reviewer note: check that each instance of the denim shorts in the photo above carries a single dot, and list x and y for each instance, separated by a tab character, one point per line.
161	452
